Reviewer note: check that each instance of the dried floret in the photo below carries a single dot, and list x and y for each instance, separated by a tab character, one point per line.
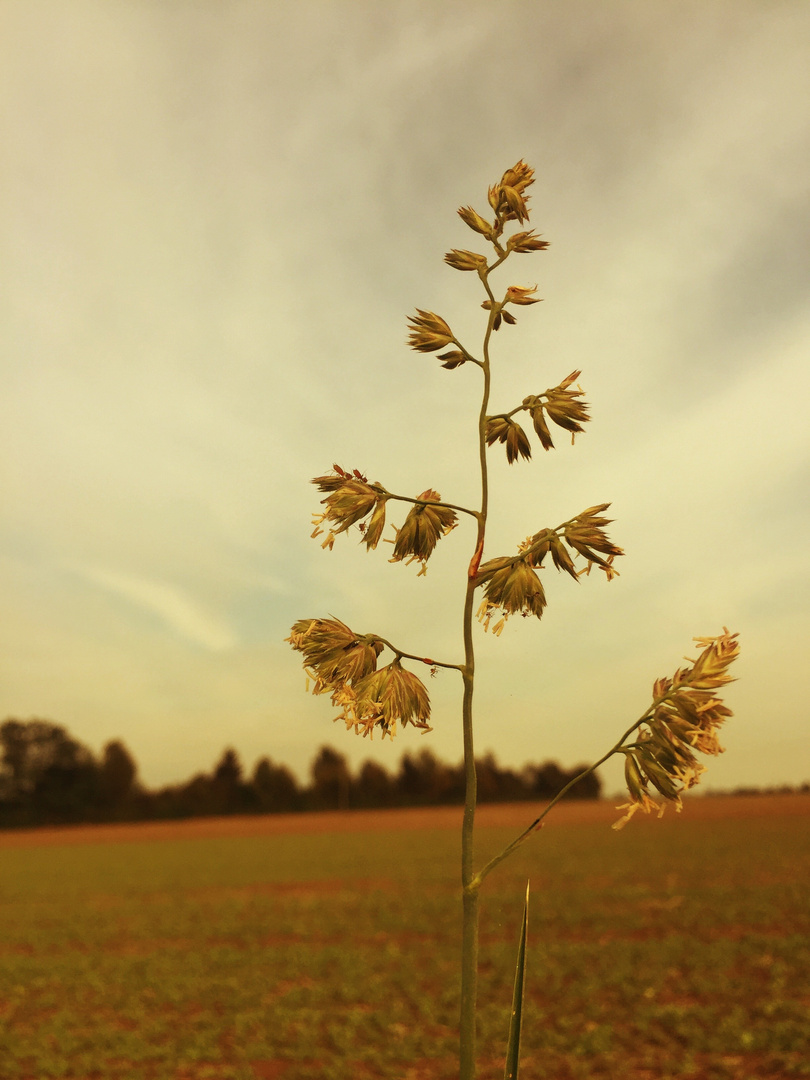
452	359
465	260
503	429
526	241
422	529
517	294
389	696
508	198
475	221
513	586
333	653
429	332
350	498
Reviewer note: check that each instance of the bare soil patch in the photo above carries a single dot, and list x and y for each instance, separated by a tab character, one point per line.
506	815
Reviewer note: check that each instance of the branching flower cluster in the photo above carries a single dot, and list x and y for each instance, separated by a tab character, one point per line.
559	404
344	665
350	498
511	585
684	717
659	748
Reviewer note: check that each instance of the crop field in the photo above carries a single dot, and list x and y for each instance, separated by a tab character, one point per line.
326	946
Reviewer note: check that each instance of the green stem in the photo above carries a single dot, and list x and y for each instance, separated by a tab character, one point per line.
469	936
423	502
469	880
402	655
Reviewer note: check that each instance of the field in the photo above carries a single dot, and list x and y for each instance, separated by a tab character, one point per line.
326	946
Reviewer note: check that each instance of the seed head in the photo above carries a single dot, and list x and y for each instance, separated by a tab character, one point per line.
563	406
422	529
333	654
513	586
348	503
452	359
526	241
507	198
503	429
586	535
465	260
475	221
386	697
429	332
518	294
684	718
350	498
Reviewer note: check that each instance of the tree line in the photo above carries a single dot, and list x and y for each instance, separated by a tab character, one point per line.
49	777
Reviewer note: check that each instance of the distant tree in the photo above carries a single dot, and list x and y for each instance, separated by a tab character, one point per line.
275	787
512	785
413	779
331	780
547	780
13	760
423	780
229	794
490	780
116	777
47	776
195	798
589	787
374	786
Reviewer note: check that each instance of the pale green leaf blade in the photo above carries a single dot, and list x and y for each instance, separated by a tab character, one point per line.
513	1043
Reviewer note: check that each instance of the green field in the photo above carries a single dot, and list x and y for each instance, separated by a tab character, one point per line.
678	948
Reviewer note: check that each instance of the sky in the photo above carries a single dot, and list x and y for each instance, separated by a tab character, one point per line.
215	218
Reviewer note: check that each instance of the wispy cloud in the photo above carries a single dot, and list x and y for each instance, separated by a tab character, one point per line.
185	616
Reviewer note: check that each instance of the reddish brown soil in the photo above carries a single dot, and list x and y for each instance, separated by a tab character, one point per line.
508	815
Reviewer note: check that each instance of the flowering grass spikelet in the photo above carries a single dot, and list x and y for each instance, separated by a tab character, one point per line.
508	198
475	221
372	533
515	294
452	359
426	523
465	260
333	653
389	696
526	241
349	499
513	586
503	429
429	332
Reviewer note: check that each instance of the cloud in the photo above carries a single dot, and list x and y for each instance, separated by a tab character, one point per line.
183	615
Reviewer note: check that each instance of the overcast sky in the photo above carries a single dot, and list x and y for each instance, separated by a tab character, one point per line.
216	218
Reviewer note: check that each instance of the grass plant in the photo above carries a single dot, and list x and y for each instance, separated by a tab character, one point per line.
685	713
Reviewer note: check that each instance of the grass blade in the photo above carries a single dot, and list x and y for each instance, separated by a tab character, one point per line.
513	1043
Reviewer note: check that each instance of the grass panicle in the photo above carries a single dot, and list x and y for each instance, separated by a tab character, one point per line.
659	748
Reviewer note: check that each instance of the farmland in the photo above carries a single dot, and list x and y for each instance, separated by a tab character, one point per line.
325	946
